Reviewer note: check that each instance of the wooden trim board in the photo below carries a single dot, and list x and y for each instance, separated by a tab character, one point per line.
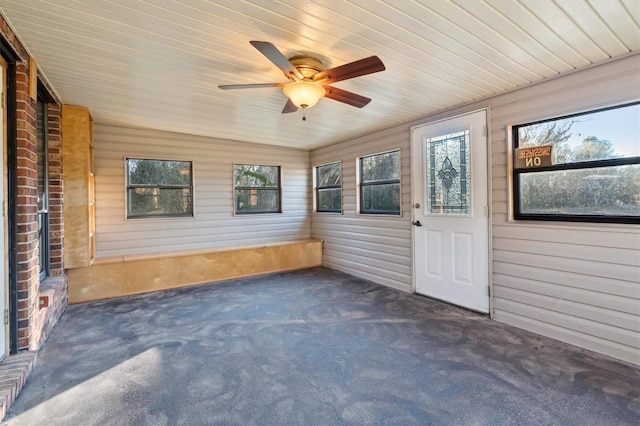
127	276
33	79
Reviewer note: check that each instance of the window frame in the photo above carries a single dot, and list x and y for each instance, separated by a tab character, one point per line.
318	188
582	165
129	186
257	188
44	237
361	185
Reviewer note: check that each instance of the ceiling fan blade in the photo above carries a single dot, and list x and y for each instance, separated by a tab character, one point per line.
250	86
278	59
353	69
289	107
346	96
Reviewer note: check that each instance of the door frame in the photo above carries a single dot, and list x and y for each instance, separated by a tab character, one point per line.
438	119
11	196
4	65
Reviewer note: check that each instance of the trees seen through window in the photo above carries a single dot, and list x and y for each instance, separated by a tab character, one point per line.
596	168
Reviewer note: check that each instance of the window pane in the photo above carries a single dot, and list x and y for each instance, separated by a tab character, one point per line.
257	201
159	201
256	176
381	198
448	174
330	174
43	238
602	135
159	172
330	200
607	191
381	167
41	139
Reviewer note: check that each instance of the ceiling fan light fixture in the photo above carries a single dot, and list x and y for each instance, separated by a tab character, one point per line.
304	94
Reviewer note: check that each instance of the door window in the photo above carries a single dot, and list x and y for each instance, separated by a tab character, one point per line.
448	171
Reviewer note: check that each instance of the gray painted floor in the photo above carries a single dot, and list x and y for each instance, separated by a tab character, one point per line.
314	347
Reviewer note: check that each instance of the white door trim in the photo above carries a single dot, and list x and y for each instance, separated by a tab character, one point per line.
4	242
487	110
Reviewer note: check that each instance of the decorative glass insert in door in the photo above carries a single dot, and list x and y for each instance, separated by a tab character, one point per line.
448	174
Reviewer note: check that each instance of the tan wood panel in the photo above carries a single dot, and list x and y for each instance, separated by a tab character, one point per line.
33	79
126	276
77	163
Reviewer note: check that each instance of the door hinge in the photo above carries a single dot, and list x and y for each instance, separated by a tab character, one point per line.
4	209
489	291
6	316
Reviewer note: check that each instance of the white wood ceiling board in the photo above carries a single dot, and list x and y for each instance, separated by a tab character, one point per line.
419	52
591	24
157	21
237	25
87	46
482	40
466	35
632	8
516	40
156	63
119	36
193	59
622	18
383	80
451	53
560	23
538	30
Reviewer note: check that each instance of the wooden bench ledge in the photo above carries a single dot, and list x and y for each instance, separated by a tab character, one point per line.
134	274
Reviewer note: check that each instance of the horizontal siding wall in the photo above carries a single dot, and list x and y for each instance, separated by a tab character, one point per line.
374	247
575	282
214	225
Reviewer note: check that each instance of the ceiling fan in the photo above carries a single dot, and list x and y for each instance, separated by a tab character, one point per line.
309	81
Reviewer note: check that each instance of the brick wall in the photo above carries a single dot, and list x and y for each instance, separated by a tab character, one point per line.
34	322
27	180
56	220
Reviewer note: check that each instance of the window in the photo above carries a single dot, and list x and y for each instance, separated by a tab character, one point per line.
448	174
257	189
584	167
43	184
380	183
329	188
157	188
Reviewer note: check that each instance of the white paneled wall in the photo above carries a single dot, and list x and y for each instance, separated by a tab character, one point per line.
214	225
576	282
375	247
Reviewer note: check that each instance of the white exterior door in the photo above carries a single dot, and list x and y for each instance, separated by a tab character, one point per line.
4	271
450	214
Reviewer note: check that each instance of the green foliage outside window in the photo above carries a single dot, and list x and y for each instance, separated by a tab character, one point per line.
257	188
380	183
595	174
159	188
329	188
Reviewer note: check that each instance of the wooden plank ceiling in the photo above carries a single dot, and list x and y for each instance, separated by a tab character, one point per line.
157	63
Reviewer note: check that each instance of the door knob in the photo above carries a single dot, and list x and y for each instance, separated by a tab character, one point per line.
417	205
417	223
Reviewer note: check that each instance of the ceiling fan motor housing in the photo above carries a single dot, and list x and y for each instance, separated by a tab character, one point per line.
307	66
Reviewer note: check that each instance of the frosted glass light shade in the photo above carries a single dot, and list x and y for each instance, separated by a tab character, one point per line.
304	94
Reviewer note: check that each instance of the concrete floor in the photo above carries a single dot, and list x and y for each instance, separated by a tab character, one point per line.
314	347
